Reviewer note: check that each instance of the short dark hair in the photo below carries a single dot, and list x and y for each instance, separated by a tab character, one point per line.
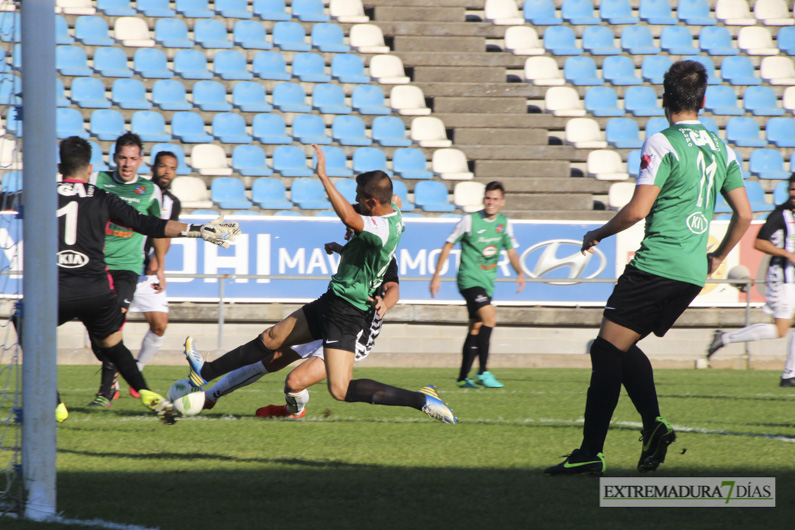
685	84
161	154
75	155
495	185
375	185
126	140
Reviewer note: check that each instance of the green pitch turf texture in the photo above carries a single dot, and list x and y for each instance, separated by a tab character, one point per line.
362	466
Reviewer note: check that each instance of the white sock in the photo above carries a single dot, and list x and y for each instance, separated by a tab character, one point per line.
296	402
149	347
236	379
789	366
751	333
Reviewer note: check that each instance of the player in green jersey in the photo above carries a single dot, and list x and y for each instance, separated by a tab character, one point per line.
482	234
682	170
339	316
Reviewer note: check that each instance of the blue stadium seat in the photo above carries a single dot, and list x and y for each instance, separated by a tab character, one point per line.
129	94
309	194
92	31
13	122
761	101
578	12
709	124
250	34
620	71
390	131
602	101
111	62
349	130
677	40
740	70
231	65
71	61
60	94
642	101
310	129
116	8
561	40
348	68
656	12
249	161
432	196
249	96
369	159
743	132
151	63
16	56
211	34
210	96
229	193
309	11
623	133
655	125
88	93
189	128
746	174
270	65
695	13
69	122
271	10
330	99
194	8
347	188
785	40
97	158
581	71
781	193
182	167
756	196
336	161
599	40
155	8
10	26
617	12
722	101
191	64
290	97
270	129
12	182
106	124
150	126
11	88
654	67
230	128
4	65
168	94
62	35
399	189
290	36
768	164
781	131
712	77
717	41
269	194
172	33
638	40
633	163
329	38
310	68
232	8
369	99
410	163
540	13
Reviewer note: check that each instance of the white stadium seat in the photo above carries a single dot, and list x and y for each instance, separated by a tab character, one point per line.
388	70
348	11
469	196
428	131
451	164
584	133
523	40
408	100
368	38
619	194
756	41
210	159
191	192
563	101
734	13
543	71
605	164
503	12
133	32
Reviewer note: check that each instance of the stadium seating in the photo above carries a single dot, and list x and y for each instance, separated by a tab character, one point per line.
250	34
584	133
309	194
620	194
150	126
290	161
128	94
601	101
369	159
712	77
75	7
192	192
182	167
502	13
451	164
399	189
563	101
709	124
540	13
168	94
193	8
617	12
290	97
578	13
773	13
348	68
87	93
210	160
543	71
10	27
172	33
761	101
605	164
722	101
151	63
71	61
620	71
739	71
328	38
788	100
310	129
367	38
431	196
717	41
781	131
271	10
211	34
580	71
210	96
60	94
155	8
561	40
638	40
270	129
677	40
231	65
106	124
249	161
230	128
623	133
785	40
232	9
767	164
111	62
336	161
653	67
388	70
269	194
115	8
330	99
599	40
290	36
410	163
270	65
756	41
132	32
229	193
369	99
743	132
429	131
633	163
349	130
69	122
695	13
778	71
12	182
189	128
310	68
390	131
249	96
97	159
408	100
468	196
734	13
523	40
309	11
781	193
757	197
90	31
656	12
348	11
642	101
655	125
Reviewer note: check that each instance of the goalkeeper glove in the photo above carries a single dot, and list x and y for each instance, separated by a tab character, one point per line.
216	232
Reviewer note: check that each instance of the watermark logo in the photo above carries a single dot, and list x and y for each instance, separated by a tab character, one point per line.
701	492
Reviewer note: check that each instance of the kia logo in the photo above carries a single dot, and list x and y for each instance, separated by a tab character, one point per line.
551	257
70	259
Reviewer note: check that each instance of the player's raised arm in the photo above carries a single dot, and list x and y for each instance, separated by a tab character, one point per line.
341	206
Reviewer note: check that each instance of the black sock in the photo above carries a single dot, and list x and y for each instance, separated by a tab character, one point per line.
603	392
122	360
369	391
248	353
484	341
638	379
468	353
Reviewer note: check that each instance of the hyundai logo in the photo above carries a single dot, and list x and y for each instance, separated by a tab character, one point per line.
549	259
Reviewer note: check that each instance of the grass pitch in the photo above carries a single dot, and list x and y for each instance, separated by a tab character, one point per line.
363	466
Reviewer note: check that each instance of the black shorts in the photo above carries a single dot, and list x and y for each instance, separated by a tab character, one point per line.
124	284
647	303
476	298
336	321
99	314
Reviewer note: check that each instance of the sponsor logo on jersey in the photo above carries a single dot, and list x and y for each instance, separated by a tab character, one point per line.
70	259
500	228
644	162
481	230
140	190
489	251
697	223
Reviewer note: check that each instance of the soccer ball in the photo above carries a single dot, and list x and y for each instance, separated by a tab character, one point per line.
187	400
